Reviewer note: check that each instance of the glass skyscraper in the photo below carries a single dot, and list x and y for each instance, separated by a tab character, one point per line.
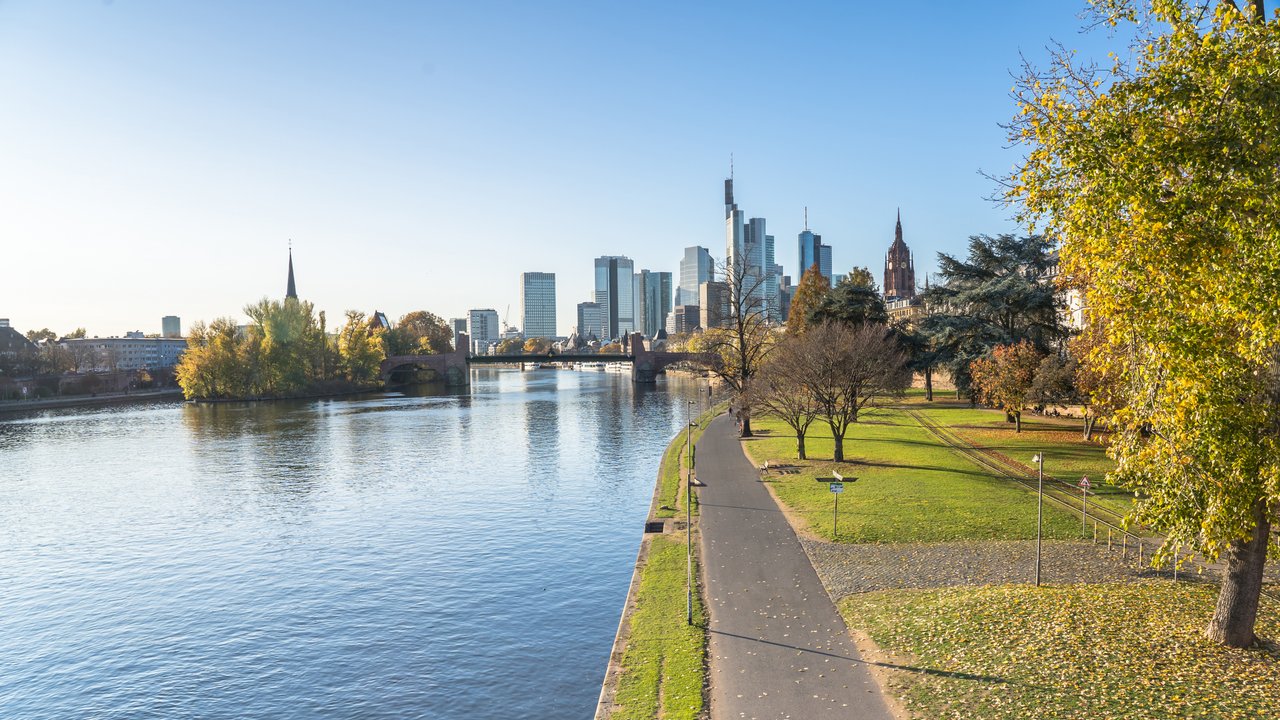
615	291
696	268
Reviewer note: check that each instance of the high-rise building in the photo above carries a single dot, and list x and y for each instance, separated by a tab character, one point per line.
750	258
813	252
686	318
538	304
652	292
171	326
616	294
713	304
590	320
899	268
696	268
483	328
459	326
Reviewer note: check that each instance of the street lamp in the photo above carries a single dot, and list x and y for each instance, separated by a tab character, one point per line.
688	512
1039	460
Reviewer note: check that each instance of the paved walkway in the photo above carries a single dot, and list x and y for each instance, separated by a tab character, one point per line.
778	647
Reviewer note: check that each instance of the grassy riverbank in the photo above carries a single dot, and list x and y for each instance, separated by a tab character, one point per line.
664	663
1132	650
672	488
910	487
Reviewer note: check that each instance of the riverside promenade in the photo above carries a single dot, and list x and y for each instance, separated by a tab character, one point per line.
778	648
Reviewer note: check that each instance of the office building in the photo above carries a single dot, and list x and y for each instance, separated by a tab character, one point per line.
749	255
686	319
483	329
652	303
134	351
538	304
171	326
615	292
713	304
459	327
813	252
696	268
591	321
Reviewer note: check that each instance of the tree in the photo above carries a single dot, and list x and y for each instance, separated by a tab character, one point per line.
810	293
36	336
999	295
537	346
513	346
854	300
780	388
420	333
1004	379
743	344
1159	173
77	334
849	368
360	348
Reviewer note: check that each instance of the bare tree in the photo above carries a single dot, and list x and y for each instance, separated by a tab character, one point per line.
849	369
744	340
780	388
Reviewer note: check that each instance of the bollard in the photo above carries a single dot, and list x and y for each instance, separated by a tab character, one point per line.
1176	548
1124	545
1095	532
1139	554
1108	539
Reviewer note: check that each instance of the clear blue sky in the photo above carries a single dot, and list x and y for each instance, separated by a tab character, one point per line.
157	156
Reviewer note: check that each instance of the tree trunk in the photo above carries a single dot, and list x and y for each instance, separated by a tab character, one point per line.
839	454
1017	422
746	423
1237	610
800	446
928	384
1088	425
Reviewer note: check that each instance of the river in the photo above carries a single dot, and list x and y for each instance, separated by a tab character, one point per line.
442	555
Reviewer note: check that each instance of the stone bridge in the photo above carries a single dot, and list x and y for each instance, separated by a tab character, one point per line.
454	368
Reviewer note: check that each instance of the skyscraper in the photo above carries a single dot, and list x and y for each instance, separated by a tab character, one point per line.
813	252
171	326
459	326
615	291
590	320
749	256
652	301
538	304
696	268
899	268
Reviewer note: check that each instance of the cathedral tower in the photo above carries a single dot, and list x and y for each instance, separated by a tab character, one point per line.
899	268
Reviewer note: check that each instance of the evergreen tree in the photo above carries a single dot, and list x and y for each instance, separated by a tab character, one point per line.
810	294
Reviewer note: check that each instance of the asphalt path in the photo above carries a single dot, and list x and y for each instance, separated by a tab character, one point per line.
778	647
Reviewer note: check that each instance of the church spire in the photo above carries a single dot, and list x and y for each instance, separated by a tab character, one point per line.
897	230
292	291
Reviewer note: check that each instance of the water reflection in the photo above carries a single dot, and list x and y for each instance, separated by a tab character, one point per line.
378	556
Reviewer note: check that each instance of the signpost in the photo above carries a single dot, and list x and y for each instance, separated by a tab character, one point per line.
1084	501
836	485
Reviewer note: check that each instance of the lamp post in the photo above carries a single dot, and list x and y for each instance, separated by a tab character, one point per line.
1039	460
688	513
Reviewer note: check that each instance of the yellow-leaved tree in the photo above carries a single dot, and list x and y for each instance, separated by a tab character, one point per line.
1161	176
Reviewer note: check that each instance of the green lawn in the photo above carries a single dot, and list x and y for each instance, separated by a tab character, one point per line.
1067	455
665	658
911	488
1133	651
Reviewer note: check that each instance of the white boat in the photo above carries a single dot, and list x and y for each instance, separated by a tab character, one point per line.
590	366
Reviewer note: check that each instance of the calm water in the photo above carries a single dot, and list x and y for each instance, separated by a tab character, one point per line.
449	556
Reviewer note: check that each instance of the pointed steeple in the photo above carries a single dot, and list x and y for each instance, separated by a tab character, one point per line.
292	291
897	230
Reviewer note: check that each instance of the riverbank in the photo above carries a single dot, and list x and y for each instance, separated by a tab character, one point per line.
658	665
99	400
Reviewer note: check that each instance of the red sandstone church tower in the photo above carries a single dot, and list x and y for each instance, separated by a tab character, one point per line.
899	268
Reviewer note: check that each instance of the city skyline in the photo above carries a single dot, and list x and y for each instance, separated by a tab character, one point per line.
176	150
